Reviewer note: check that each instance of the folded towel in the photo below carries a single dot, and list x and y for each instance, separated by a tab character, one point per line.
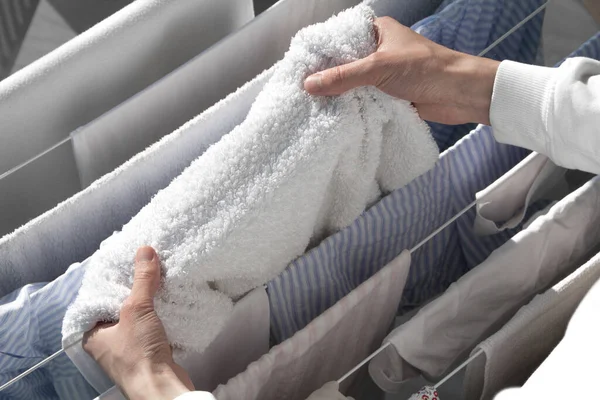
299	167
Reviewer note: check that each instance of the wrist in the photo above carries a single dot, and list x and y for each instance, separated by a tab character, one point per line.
148	381
473	80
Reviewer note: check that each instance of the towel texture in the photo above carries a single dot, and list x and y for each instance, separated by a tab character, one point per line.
299	167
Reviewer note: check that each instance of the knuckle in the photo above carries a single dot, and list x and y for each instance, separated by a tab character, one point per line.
134	309
382	24
377	59
337	75
374	67
385	20
143	272
128	307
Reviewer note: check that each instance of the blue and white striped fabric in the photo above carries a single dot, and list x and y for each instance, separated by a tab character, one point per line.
328	272
470	26
30	330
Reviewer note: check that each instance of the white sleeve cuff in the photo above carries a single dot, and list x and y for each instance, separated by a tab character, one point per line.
195	396
520	102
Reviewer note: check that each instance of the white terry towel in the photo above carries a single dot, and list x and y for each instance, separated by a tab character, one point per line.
298	167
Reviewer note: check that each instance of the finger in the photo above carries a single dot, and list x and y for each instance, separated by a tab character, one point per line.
342	78
382	26
146	278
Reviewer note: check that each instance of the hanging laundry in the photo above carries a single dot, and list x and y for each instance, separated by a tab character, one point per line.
470	26
244	339
329	346
530	336
399	221
117	135
504	203
30	330
299	167
44	102
506	199
37	250
87	218
490	294
105	65
572	364
391	380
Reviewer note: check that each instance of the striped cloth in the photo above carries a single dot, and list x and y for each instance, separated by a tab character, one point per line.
329	346
470	26
315	281
30	330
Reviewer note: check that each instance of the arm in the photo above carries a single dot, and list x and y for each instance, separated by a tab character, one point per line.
555	111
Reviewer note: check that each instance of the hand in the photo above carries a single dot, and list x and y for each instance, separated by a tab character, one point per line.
444	85
134	352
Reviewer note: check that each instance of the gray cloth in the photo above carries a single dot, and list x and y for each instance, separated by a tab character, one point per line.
41	250
107	142
329	346
570	371
487	296
503	204
111	139
44	102
516	350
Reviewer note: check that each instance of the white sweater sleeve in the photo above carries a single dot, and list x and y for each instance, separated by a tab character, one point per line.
195	396
554	111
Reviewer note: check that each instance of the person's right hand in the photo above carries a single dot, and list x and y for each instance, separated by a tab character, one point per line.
444	85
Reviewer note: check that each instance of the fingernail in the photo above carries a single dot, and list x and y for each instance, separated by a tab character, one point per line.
145	253
313	83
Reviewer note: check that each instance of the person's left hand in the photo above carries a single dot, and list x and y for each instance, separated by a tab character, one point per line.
134	352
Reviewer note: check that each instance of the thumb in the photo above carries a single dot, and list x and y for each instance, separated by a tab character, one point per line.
342	78
146	278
